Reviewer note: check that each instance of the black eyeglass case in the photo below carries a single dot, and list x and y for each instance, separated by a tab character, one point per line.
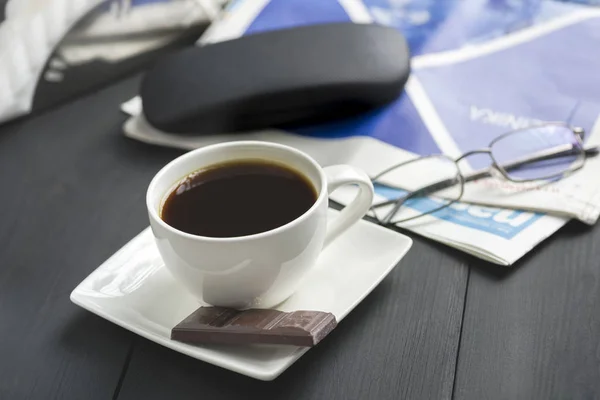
277	79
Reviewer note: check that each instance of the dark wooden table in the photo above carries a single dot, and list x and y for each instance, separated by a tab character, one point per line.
442	325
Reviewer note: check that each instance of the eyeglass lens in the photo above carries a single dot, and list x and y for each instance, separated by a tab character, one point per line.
429	184
541	152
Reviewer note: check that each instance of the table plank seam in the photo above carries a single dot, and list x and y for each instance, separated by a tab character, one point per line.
124	370
460	333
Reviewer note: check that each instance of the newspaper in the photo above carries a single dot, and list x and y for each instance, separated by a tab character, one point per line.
428	120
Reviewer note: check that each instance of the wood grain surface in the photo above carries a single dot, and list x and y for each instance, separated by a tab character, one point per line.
72	194
442	325
533	332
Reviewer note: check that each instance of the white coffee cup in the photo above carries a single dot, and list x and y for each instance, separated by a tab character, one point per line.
264	269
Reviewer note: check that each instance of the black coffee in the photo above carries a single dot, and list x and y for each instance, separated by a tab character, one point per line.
237	199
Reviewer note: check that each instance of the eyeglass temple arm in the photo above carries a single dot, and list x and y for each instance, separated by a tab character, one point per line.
420	192
539	156
424	191
485	173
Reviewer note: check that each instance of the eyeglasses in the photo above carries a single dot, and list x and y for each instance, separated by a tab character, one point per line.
425	185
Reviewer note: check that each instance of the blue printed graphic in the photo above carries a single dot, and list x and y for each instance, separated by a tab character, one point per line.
548	78
499	222
280	14
431	26
397	124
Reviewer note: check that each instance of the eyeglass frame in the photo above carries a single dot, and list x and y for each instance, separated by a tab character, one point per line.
578	132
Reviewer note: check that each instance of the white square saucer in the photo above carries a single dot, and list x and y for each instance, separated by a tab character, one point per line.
133	289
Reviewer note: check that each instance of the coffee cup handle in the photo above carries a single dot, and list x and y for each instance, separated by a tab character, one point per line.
340	175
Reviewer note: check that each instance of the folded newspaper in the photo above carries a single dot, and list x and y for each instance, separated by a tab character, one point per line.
490	76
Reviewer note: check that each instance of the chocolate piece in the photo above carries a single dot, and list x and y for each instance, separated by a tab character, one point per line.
225	325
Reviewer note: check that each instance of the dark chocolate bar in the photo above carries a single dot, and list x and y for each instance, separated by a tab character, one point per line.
256	326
